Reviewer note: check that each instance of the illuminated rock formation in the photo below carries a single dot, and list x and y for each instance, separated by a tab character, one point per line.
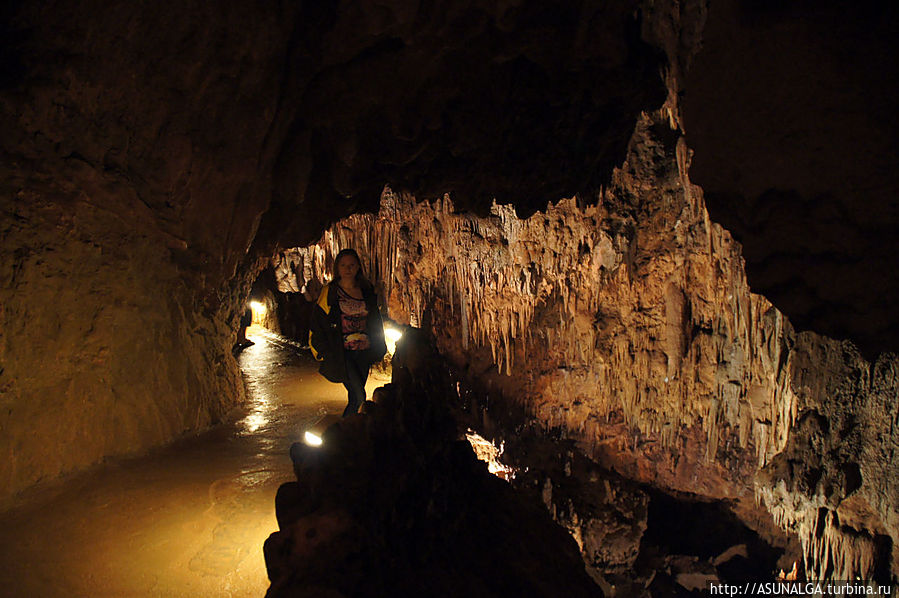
629	324
154	160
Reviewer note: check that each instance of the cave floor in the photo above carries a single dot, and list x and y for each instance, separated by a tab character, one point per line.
186	520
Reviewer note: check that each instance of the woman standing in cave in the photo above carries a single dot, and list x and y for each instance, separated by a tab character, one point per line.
346	332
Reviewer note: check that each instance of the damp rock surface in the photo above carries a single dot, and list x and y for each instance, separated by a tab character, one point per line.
629	325
395	503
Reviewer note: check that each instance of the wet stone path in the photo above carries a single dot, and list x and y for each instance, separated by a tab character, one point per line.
187	520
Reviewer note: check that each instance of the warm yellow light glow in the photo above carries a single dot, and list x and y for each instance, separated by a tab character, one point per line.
391	336
253	422
315	433
792	575
258	308
489	453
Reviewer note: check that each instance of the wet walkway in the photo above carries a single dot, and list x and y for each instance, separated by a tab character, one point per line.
188	520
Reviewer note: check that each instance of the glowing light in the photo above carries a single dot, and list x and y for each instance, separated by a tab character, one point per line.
391	336
258	308
314	434
489	453
791	575
254	421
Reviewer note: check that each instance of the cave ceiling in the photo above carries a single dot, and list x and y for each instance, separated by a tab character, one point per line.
268	121
523	102
304	110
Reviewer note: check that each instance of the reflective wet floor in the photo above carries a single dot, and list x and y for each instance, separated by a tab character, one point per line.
188	520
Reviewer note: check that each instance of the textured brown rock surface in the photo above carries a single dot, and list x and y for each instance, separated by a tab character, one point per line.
146	147
128	198
100	354
629	325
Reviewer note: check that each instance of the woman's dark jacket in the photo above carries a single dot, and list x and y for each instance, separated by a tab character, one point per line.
326	333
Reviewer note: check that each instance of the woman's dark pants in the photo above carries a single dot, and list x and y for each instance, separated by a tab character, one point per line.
356	374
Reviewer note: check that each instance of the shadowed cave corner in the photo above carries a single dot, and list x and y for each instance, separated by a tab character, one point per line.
396	503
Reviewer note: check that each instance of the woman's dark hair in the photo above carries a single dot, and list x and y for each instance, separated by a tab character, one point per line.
360	276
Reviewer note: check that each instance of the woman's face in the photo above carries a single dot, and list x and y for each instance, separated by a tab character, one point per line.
347	267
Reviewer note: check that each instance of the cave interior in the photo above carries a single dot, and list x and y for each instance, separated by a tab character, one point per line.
651	241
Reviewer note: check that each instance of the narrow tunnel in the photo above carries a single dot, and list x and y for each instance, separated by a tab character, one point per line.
640	254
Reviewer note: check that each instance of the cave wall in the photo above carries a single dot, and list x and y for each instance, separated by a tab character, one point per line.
129	197
101	350
629	325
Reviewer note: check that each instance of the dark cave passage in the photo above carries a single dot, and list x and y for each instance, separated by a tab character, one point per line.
689	541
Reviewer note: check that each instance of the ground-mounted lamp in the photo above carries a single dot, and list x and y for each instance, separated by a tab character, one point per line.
314	434
392	334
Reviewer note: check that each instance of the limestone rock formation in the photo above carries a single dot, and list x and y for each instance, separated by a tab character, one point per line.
789	109
629	324
126	206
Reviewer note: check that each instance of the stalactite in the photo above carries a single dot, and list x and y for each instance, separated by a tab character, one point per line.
830	551
572	307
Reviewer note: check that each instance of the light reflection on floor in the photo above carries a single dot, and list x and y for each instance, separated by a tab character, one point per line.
188	520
